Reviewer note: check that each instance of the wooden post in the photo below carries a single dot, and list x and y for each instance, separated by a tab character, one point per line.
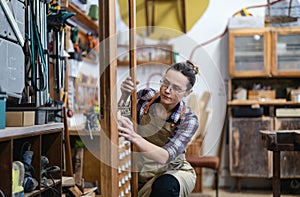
108	101
132	66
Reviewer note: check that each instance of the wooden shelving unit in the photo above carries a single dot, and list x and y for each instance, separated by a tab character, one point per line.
253	102
82	19
91	170
262	60
147	54
45	140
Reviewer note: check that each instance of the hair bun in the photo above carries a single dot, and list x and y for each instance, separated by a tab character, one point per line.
195	68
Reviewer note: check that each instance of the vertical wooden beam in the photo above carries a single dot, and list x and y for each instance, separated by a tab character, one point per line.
132	66
183	9
108	101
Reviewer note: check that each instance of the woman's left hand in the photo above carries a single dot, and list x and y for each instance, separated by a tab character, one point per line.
125	128
152	151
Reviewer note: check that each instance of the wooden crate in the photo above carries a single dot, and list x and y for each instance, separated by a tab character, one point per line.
261	94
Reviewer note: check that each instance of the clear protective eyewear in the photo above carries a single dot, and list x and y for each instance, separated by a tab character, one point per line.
174	88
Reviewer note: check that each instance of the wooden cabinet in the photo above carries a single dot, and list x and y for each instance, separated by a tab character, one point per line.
44	140
264	52
285	52
248	117
263	61
249	52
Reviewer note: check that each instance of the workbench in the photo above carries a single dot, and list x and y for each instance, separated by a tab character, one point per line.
277	141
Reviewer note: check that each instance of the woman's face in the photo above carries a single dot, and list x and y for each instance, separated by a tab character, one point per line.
173	88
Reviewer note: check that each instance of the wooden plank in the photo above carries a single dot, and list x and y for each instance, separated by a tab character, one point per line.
68	153
82	19
6	151
91	167
79	166
108	102
132	66
277	102
18	132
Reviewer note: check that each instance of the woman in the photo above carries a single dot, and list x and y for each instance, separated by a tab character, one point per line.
165	126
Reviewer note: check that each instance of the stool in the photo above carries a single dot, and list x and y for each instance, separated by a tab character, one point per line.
211	162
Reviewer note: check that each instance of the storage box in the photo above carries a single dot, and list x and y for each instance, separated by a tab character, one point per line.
246	22
261	94
288	112
41	116
295	95
247	111
20	118
2	110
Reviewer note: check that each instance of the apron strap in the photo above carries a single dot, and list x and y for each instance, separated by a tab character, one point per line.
153	99
181	114
150	103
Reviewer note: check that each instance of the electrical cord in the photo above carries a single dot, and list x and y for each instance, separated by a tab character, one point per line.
34	32
226	29
53	188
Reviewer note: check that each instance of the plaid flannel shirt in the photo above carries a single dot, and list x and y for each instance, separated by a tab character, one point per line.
185	127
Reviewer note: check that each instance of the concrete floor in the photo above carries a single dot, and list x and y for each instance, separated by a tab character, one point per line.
224	192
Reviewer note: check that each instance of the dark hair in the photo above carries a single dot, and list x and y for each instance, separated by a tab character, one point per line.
188	69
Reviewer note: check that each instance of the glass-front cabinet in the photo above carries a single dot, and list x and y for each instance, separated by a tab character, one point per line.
286	52
249	52
264	52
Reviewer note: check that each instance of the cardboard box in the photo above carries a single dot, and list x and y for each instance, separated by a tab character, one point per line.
261	95
20	118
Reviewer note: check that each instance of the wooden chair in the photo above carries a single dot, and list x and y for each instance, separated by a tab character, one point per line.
152	20
211	162
194	151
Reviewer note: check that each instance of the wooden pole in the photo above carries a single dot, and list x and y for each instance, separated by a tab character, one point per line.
132	66
108	101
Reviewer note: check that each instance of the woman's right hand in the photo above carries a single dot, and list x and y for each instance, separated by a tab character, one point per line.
127	87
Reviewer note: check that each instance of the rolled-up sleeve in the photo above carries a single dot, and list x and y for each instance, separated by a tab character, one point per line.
183	133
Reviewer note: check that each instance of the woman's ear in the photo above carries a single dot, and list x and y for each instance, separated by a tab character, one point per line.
188	92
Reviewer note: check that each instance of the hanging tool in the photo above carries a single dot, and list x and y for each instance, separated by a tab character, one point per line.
38	52
56	21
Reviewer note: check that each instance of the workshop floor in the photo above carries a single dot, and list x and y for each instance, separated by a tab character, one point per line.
224	192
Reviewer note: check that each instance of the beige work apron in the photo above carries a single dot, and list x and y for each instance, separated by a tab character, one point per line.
158	131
